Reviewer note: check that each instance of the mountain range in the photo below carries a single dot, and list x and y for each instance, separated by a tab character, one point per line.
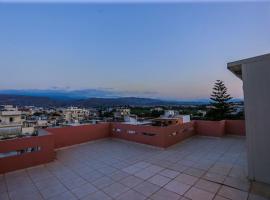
23	100
83	98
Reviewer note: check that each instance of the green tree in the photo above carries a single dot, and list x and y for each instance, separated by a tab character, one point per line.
220	101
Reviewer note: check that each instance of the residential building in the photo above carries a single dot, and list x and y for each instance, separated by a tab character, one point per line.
10	115
121	113
10	122
75	114
171	117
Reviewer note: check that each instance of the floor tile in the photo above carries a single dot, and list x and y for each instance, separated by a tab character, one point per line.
64	196
169	173
207	186
115	190
99	195
198	194
52	191
232	193
214	177
146	188
131	181
84	190
256	197
4	196
238	183
119	175
164	195
194	172
103	182
187	179
144	174
159	180
131	169
217	197
73	182
131	195
177	187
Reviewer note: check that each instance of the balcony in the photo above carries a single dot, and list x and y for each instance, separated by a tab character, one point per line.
121	167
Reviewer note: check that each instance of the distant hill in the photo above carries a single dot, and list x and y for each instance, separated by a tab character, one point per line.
25	100
63	94
132	101
22	100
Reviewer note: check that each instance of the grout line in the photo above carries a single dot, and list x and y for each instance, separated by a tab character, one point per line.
6	186
26	170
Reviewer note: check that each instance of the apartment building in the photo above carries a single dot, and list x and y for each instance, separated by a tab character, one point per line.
75	114
10	115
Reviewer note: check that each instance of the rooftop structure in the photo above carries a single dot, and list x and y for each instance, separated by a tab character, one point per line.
132	119
255	73
171	117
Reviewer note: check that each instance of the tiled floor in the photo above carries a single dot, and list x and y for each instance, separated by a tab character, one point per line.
198	169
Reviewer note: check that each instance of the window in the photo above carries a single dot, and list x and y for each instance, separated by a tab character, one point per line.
131	132
20	151
149	134
11	119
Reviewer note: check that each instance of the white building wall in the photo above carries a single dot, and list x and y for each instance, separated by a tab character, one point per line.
256	85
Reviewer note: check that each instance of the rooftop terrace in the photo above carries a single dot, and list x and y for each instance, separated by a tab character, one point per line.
199	168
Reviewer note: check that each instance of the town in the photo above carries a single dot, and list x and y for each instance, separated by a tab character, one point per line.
27	120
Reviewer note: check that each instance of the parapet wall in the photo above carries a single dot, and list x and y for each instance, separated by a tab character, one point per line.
26	152
30	151
152	135
235	127
68	136
220	128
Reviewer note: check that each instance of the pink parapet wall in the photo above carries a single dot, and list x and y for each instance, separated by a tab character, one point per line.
152	135
210	128
235	127
72	135
220	128
45	154
178	133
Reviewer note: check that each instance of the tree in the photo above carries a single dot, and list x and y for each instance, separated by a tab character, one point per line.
221	106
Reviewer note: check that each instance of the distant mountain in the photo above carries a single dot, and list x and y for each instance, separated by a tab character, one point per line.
64	94
132	101
24	100
84	98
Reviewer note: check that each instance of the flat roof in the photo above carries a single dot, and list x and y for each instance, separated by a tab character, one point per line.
236	66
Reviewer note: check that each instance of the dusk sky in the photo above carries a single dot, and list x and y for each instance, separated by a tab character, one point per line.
152	50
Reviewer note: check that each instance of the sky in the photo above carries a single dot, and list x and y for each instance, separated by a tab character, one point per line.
160	50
